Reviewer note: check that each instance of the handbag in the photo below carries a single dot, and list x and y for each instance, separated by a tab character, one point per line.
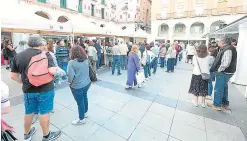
7	136
92	74
205	76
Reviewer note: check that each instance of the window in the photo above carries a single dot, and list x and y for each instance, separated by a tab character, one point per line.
180	9
92	10
42	1
85	7
106	13
103	2
88	7
128	15
80	6
120	16
102	13
63	4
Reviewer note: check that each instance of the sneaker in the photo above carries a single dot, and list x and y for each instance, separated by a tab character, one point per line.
194	103
119	74
209	97
128	87
29	136
78	122
86	115
203	105
35	118
53	136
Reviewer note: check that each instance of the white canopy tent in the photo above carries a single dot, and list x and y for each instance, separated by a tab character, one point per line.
141	34
24	22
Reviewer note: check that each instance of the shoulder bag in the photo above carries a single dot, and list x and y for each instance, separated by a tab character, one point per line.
205	76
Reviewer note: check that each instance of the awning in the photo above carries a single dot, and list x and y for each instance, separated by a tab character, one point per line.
231	28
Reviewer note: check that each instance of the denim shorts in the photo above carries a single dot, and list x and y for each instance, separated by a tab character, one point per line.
41	103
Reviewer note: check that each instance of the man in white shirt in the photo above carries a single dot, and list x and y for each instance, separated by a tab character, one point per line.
123	55
116	58
155	51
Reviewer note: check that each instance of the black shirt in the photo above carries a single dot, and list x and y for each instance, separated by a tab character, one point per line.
20	65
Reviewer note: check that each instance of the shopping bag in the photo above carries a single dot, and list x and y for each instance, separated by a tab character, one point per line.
140	78
7	136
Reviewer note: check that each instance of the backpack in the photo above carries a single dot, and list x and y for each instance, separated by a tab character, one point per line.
38	72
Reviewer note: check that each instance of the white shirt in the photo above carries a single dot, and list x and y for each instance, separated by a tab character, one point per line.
190	50
123	49
204	65
91	51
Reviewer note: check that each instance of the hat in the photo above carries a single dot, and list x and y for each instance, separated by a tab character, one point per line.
35	40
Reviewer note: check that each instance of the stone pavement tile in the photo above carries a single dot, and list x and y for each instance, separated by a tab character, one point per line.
169	92
111	104
244	130
189	107
217	130
161	110
173	139
99	115
186	97
220	116
105	135
166	101
121	125
190	119
81	132
64	97
144	133
16	112
63	118
241	117
186	132
157	122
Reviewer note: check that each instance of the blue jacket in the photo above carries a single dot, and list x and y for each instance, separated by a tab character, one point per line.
62	54
98	48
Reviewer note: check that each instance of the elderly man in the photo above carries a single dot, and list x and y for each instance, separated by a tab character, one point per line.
123	55
224	67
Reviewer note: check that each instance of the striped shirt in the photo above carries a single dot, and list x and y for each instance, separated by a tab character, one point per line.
225	60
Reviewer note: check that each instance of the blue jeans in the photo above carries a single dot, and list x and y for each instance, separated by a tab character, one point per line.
221	89
80	96
176	60
116	60
41	103
162	62
123	62
98	61
210	84
63	66
147	70
155	64
170	64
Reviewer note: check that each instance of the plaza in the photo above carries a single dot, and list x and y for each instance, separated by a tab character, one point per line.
160	111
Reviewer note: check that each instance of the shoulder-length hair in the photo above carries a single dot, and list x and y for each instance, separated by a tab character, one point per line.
77	52
202	51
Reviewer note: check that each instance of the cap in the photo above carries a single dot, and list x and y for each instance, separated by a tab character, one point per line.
35	40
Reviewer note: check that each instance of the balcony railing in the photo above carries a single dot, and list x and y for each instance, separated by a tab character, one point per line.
206	12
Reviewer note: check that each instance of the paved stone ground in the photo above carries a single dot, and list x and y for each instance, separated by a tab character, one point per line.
160	111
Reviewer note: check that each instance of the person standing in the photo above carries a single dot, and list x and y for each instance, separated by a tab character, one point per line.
62	55
162	55
92	55
212	54
198	85
190	51
171	56
36	99
147	67
79	82
177	48
98	48
123	52
155	51
11	53
223	67
116	58
133	67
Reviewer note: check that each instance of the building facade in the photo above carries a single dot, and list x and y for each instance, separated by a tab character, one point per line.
191	19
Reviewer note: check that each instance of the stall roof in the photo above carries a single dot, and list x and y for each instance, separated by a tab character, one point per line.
231	28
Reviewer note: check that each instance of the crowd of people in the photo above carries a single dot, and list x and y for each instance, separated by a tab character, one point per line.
72	63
